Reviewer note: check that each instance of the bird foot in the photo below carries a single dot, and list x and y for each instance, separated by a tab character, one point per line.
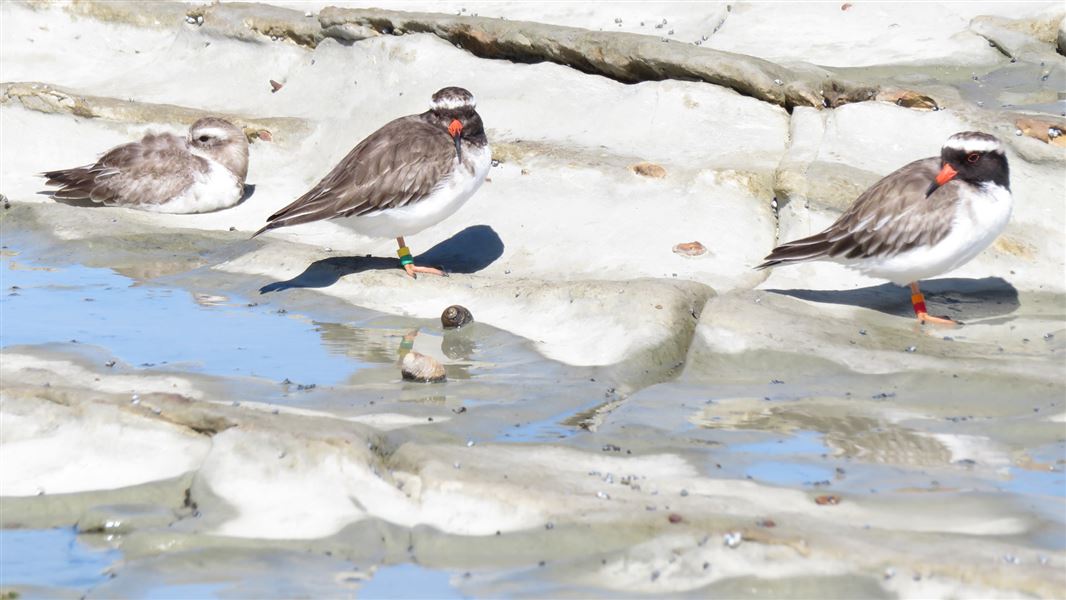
413	271
924	317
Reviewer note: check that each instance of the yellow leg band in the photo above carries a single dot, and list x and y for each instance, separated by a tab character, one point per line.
405	256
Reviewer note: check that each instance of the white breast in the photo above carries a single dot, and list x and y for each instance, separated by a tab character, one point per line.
982	214
443	202
215	189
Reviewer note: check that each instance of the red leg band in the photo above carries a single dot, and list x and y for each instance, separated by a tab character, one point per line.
918	301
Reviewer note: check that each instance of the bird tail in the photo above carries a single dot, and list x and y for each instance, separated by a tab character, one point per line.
809	248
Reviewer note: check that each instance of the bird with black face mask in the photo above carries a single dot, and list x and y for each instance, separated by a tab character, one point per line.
927	218
405	177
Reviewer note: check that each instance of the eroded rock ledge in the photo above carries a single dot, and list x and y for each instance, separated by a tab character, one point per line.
626	57
46	98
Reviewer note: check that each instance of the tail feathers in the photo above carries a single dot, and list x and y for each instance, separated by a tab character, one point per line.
809	248
74	184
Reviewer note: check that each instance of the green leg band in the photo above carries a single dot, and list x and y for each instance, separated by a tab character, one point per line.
407	259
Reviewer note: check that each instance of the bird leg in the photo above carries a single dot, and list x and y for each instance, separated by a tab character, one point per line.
408	262
918	301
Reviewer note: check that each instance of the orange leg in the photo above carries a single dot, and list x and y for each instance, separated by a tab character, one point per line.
408	262
918	300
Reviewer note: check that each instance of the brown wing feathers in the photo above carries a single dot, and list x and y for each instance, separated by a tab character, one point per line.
399	164
147	172
890	217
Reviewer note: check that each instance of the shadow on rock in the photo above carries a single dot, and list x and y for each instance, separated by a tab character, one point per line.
961	298
468	251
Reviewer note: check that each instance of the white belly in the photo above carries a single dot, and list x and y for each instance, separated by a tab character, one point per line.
980	218
216	189
443	202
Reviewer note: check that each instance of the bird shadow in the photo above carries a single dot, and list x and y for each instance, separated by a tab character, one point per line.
468	251
963	298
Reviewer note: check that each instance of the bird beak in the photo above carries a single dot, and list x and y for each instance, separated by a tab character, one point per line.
946	174
455	129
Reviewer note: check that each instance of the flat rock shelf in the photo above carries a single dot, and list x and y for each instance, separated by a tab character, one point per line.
186	411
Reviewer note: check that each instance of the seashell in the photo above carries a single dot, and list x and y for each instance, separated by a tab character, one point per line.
690	249
419	367
455	316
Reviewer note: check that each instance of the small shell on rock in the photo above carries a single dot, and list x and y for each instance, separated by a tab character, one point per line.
264	135
275	86
456	316
829	500
691	249
419	367
647	169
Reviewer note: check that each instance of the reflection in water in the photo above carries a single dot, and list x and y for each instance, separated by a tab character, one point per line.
386	346
844	435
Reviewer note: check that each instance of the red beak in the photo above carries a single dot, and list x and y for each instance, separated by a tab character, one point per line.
455	129
947	172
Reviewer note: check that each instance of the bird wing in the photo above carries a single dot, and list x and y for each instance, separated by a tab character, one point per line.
397	165
892	216
150	171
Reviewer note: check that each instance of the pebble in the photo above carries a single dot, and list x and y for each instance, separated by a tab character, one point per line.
733	539
603	495
684	493
419	367
470	443
911	349
675	518
648	169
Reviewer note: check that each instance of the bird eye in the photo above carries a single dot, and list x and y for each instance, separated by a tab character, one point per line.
204	138
972	158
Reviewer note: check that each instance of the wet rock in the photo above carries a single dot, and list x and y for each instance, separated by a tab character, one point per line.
421	368
647	169
124	518
455	317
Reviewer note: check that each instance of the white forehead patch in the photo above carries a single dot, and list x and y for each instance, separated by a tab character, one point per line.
965	143
448	103
215	132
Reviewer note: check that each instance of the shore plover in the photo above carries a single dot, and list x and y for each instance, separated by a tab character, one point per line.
409	175
163	172
927	218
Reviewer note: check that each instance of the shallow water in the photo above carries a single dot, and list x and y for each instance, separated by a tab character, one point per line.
151	325
52	558
778	420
